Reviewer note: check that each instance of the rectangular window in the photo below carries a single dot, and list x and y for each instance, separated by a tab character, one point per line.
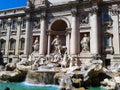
4	26
14	24
1	26
24	24
106	16
106	41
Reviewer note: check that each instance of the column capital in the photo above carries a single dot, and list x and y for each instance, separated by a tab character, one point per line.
94	9
19	20
9	21
27	17
43	15
74	11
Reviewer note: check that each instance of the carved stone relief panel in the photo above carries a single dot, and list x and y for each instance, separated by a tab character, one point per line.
36	24
84	19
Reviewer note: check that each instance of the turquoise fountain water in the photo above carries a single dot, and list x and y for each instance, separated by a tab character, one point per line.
24	86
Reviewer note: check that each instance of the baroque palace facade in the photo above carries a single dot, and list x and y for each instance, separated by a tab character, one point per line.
72	20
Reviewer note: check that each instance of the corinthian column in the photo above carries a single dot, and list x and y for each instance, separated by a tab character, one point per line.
27	36
8	36
43	37
74	33
94	30
18	36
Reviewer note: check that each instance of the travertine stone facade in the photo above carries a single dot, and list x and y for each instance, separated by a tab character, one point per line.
71	20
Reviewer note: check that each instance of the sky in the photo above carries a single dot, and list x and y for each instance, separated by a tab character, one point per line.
7	4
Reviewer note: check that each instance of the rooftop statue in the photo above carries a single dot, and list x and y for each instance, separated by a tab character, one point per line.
35	2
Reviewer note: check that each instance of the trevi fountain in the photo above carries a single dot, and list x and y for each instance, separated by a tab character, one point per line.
66	71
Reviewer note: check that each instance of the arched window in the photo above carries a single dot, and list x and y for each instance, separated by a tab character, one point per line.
2	44
12	44
22	44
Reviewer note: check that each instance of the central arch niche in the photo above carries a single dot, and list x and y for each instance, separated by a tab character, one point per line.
58	28
59	25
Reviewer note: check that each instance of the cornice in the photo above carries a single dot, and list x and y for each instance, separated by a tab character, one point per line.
12	12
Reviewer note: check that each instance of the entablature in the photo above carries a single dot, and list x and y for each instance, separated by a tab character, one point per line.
12	12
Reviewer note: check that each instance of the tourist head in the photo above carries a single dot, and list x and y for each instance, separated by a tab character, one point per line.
7	88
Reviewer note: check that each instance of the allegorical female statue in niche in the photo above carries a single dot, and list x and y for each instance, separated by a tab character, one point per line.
36	45
85	43
57	44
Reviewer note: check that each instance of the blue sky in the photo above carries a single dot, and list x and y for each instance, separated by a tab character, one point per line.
6	4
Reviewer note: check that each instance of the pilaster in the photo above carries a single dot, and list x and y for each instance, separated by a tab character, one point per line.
74	33
116	37
8	35
27	36
18	35
94	30
68	30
